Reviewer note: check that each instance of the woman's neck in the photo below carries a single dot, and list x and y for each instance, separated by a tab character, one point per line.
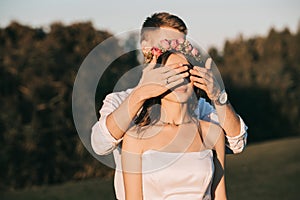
174	112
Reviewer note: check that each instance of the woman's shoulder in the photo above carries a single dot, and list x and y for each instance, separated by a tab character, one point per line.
131	142
211	133
139	139
206	126
140	133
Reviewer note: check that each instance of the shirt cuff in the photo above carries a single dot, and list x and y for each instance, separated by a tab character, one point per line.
237	143
102	141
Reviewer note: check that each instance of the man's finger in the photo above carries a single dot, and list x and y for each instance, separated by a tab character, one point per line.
175	83
203	74
152	64
178	76
208	63
201	86
168	72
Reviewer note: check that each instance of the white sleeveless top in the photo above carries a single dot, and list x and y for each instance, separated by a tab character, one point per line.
177	176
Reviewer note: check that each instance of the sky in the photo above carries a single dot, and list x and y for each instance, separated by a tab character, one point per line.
210	22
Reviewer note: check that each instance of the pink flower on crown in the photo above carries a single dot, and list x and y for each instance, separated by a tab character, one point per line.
180	45
180	40
195	52
165	44
174	44
156	51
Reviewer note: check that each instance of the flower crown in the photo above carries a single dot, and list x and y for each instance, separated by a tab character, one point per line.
177	45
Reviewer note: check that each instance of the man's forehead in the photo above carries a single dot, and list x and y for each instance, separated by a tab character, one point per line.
168	33
155	36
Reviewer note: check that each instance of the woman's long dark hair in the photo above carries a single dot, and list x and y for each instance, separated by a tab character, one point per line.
151	109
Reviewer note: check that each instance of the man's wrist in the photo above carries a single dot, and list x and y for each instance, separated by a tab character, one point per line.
138	95
222	98
141	93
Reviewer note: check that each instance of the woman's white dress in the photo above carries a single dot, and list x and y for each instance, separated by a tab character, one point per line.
177	176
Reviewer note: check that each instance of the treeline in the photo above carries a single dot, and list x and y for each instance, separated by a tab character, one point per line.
262	75
39	142
38	139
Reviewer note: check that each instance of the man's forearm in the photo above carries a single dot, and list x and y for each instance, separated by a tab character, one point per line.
228	119
119	120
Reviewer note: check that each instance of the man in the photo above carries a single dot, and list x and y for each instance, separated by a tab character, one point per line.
120	108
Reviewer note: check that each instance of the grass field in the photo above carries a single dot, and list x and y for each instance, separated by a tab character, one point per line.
264	171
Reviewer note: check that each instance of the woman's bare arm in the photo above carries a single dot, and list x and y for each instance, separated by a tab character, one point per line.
132	167
218	186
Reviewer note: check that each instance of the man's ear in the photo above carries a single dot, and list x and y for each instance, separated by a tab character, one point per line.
146	46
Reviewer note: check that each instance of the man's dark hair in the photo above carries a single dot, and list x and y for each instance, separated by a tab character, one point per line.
163	19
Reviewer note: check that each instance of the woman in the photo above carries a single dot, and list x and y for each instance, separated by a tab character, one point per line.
169	153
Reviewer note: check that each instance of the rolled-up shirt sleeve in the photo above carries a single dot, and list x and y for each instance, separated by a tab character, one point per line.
102	141
234	144
238	143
